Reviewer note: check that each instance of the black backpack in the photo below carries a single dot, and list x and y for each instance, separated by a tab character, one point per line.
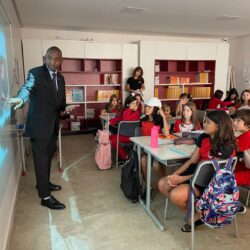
130	183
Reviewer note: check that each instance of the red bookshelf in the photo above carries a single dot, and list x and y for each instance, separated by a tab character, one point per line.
84	79
173	77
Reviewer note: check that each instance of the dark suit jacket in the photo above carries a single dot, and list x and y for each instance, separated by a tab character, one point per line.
44	105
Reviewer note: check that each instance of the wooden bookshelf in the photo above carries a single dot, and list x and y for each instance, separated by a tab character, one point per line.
173	77
89	84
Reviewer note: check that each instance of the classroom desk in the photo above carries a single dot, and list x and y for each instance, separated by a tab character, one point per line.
142	141
163	154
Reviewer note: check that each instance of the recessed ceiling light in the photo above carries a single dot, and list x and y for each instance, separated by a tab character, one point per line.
227	18
133	10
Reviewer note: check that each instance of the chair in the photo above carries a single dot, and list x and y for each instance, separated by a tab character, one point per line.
201	115
126	128
246	188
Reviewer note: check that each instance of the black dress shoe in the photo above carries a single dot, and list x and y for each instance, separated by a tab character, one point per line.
54	187
52	203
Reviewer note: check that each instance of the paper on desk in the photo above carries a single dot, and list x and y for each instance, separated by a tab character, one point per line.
183	149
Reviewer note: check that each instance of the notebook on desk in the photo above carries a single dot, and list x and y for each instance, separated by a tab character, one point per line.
166	139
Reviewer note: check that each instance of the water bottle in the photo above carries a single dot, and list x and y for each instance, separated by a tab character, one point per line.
154	137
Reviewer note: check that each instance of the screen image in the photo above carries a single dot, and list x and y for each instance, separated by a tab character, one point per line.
8	136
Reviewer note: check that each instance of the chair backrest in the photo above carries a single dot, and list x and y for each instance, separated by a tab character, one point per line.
206	170
201	115
128	128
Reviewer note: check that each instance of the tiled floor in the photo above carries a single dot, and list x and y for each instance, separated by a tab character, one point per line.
99	217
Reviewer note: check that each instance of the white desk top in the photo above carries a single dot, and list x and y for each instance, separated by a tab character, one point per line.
170	152
143	141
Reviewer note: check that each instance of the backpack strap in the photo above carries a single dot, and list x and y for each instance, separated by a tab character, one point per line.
229	164
215	164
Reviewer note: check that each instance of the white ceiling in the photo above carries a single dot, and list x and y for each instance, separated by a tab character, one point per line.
179	17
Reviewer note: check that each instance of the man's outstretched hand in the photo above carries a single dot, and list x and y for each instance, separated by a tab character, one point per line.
69	108
17	101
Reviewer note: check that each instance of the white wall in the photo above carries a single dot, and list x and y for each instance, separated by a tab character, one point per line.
8	202
43	34
239	58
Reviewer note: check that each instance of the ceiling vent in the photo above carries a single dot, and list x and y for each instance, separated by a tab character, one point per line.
133	10
227	18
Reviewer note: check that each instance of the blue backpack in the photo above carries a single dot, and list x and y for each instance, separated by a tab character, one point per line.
219	203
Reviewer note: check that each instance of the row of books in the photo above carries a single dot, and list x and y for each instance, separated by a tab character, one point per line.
74	95
202	77
201	92
173	92
104	95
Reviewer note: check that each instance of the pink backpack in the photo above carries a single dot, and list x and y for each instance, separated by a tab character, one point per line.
103	150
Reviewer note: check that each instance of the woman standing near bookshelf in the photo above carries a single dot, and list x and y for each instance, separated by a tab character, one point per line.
135	83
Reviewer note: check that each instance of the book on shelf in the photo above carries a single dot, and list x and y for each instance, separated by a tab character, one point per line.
203	92
74	95
77	95
157	67
104	95
156	94
157	80
173	92
185	80
111	79
202	77
68	95
173	79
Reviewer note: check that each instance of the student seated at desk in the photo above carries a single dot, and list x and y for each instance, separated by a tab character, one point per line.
112	107
241	123
167	111
245	99
189	120
183	100
130	113
140	102
154	117
218	141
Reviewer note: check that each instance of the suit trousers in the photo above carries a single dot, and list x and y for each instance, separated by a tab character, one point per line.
43	151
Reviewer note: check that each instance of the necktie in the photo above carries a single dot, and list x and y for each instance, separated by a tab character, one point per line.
54	83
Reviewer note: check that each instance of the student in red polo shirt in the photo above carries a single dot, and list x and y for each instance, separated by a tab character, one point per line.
154	115
218	141
130	113
189	120
216	101
242	123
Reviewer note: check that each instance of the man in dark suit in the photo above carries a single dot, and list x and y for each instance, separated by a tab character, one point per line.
45	91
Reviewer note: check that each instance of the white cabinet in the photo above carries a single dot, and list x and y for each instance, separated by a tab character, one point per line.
147	60
201	51
103	50
170	50
129	62
221	67
32	51
69	48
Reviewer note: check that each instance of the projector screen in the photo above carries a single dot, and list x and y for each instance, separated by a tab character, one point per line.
8	138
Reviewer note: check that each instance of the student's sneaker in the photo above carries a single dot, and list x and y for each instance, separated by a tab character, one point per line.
242	210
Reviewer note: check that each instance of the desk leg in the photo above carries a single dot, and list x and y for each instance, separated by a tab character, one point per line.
139	163
147	207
